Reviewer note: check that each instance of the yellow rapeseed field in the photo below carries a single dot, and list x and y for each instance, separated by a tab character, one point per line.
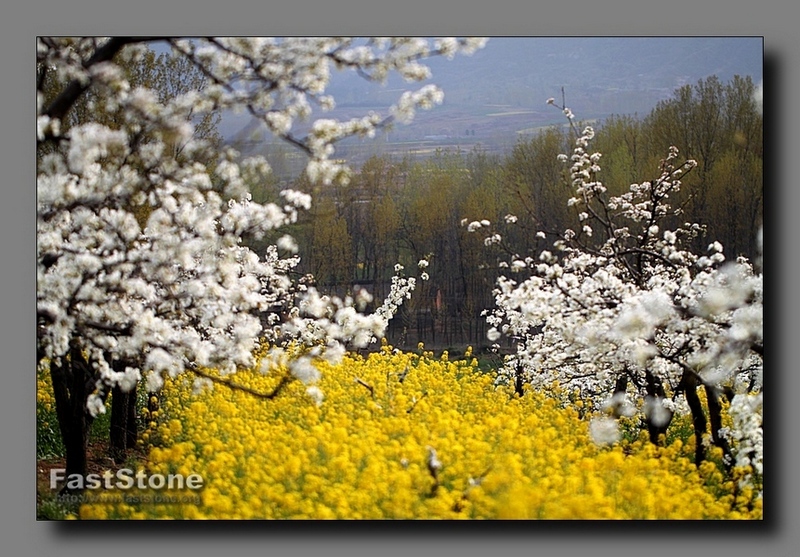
409	436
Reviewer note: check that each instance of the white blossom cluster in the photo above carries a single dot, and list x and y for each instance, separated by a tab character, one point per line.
139	255
281	81
401	289
747	434
629	303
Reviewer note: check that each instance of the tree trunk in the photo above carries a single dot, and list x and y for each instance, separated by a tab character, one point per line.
519	379
620	388
655	389
715	415
698	417
621	385
133	433
119	425
123	432
72	384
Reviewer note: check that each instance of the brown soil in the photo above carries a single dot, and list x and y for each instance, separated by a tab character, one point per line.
97	459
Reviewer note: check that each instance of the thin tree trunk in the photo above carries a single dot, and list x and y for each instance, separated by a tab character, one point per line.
71	387
119	425
132	433
655	389
123	432
519	379
715	416
698	417
621	385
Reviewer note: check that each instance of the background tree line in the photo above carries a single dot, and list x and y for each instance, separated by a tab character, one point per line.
403	210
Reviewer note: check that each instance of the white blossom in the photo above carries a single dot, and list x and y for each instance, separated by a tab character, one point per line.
656	411
95	405
316	394
287	243
634	306
619	405
303	369
604	431
747	434
181	290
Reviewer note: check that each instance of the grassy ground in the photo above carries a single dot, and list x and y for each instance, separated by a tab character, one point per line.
50	453
48	504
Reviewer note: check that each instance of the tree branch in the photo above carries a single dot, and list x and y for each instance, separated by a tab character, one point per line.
61	105
244	388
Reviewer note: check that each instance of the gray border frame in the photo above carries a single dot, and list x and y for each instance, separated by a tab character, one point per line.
21	535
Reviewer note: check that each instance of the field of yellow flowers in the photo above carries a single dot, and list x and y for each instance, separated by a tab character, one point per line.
409	436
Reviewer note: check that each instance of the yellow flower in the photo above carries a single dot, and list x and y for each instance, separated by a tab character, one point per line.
363	452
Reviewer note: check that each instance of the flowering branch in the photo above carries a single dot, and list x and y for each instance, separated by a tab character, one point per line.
634	311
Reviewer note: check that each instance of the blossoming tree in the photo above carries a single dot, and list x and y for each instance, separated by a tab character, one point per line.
119	300
622	311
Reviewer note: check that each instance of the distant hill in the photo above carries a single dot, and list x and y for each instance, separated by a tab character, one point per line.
500	91
640	64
